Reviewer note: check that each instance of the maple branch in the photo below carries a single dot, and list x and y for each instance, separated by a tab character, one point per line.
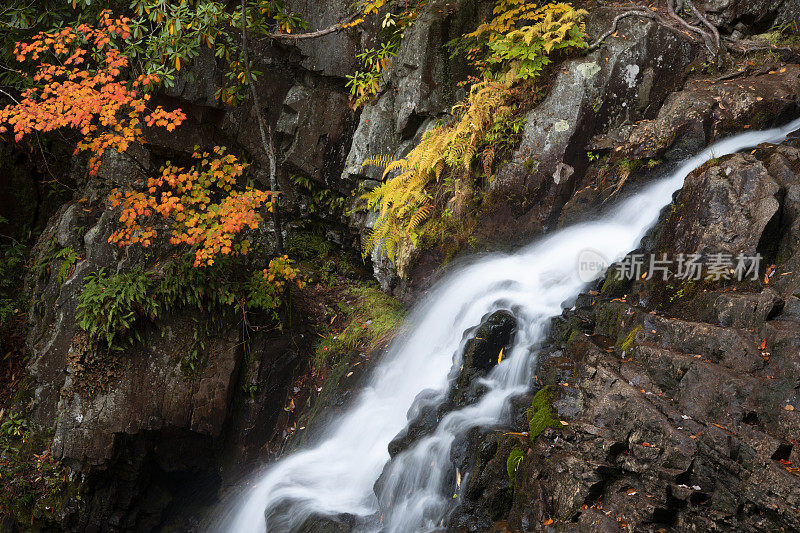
266	136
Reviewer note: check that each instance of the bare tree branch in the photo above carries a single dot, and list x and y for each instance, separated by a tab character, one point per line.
311	35
266	136
7	94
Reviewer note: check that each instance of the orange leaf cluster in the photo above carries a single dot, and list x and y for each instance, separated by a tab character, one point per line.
203	210
96	101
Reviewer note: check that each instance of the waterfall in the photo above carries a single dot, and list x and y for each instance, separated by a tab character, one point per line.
337	475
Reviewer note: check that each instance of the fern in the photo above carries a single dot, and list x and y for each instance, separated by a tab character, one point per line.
380	160
404	201
419	216
485	116
108	306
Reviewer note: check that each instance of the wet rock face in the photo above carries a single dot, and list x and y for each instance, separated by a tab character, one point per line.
731	203
759	15
494	334
625	81
423	416
682	406
328	524
481	354
135	427
707	110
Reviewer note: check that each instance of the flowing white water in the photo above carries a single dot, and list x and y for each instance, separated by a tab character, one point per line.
337	475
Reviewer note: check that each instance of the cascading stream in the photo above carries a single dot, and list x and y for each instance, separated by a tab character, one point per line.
337	475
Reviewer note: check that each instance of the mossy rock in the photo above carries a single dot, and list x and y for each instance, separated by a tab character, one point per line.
613	286
513	461
541	414
626	343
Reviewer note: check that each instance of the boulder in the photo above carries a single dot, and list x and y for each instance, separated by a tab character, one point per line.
481	354
706	111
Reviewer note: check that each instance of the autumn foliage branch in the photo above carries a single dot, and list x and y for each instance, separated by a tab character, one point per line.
80	83
198	204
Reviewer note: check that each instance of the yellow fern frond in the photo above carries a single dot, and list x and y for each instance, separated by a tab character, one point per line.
421	214
380	160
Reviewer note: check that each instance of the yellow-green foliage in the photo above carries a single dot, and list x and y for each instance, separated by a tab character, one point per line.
404	201
409	200
558	26
507	14
377	160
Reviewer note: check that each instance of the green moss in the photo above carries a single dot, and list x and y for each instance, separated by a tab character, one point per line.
686	290
627	343
372	317
513	461
575	336
541	414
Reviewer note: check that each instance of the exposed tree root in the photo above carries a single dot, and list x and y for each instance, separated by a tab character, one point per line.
704	20
709	37
645	13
